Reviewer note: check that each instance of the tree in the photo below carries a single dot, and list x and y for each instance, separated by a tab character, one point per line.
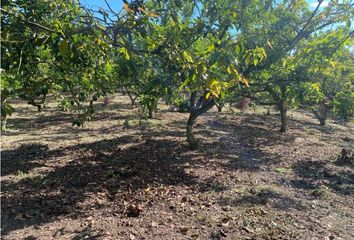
46	50
282	28
262	49
344	102
187	46
329	73
26	52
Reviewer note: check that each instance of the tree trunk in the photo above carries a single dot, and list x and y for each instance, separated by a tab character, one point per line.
151	112
44	100
345	116
220	107
283	110
190	135
282	106
130	95
268	111
152	108
3	123
196	109
192	142
322	112
320	117
40	104
132	98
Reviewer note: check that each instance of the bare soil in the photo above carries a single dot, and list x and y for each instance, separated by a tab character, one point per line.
122	177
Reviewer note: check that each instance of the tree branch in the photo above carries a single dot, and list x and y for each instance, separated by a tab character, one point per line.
301	32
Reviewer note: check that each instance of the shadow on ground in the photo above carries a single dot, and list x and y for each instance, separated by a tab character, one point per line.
262	198
25	158
117	166
129	164
314	174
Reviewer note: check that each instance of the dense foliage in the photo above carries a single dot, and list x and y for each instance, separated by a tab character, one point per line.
192	54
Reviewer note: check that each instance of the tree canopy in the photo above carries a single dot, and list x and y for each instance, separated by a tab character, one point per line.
281	53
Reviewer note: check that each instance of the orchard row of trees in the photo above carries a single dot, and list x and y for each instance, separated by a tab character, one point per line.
194	54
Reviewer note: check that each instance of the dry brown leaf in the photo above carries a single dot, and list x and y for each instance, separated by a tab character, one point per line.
183	229
20	216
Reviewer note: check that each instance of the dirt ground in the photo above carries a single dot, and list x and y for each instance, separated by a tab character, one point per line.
121	177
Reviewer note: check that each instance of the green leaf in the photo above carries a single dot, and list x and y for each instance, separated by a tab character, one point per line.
238	49
269	44
348	23
125	53
108	67
187	57
229	70
63	47
222	95
200	69
284	62
248	59
211	47
194	76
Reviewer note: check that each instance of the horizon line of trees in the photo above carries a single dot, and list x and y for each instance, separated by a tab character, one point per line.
276	53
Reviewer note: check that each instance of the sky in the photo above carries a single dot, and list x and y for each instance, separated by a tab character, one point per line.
115	4
118	4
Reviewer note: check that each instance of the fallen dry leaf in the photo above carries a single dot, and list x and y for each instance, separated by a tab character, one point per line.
20	216
133	210
183	229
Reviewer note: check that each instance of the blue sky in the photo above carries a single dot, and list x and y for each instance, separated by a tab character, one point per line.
115	4
118	4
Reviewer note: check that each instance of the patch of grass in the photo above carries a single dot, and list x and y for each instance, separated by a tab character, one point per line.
37	179
206	220
23	175
322	192
202	218
249	222
283	170
133	122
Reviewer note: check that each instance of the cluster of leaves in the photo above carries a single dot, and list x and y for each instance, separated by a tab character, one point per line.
276	53
343	102
308	53
46	50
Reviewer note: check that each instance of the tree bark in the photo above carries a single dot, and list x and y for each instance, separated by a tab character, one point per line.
196	109
322	119
151	113
322	112
130	95
282	106
152	108
283	118
39	104
281	103
4	114
190	135
220	107
3	123
132	98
